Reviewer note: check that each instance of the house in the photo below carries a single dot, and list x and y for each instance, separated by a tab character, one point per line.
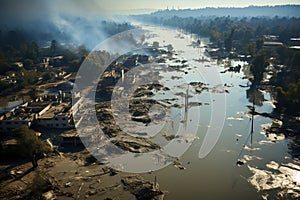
295	43
56	61
18	64
23	115
57	116
272	44
70	138
51	111
270	37
7	146
15	119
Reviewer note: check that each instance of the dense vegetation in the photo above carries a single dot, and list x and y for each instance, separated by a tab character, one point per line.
252	11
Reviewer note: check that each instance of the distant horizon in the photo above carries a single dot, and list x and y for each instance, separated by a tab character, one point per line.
150	10
112	7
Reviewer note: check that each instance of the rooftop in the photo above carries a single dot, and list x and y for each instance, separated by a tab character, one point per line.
56	109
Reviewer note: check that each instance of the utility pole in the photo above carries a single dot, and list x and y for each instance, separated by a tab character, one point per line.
155	185
252	117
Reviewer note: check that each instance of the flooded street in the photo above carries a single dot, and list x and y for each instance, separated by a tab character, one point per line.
267	170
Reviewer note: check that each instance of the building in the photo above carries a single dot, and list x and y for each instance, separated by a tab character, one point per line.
16	118
70	138
272	44
51	111
18	64
56	61
57	116
295	43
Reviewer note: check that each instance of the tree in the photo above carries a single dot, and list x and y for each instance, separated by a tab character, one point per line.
250	49
28	63
47	76
295	61
259	44
33	93
28	144
4	66
3	85
27	77
228	41
289	98
258	67
53	47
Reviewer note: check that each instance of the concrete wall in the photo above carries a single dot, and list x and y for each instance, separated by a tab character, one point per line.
59	121
8	125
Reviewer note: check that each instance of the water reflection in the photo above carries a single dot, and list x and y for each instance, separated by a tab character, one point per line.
255	96
258	177
273	179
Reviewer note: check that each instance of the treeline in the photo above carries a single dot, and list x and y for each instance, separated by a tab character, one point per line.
239	30
234	36
252	11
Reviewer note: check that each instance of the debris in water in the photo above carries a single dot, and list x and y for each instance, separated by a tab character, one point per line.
240	163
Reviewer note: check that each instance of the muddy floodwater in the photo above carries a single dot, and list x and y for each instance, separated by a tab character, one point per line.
208	144
266	168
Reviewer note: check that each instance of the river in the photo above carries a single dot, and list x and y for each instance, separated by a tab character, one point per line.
269	170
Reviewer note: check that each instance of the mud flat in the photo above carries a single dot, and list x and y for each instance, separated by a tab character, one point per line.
70	176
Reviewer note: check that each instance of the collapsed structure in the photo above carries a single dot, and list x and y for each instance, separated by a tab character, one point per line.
51	111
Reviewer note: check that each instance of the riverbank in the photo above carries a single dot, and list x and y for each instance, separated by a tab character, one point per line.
73	176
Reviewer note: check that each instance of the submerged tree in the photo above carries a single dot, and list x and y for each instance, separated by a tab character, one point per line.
228	41
258	67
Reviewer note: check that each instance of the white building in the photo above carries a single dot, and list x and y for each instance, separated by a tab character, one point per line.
50	112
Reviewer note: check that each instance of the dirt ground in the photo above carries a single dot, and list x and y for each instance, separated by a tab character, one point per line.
69	176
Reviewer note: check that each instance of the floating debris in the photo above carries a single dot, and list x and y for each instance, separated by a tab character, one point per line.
240	162
284	180
178	165
142	189
235	118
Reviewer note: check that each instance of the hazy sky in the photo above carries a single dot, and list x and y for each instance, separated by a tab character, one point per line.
31	7
162	4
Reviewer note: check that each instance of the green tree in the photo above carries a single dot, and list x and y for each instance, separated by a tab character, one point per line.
53	47
3	85
259	44
258	67
28	143
295	61
47	76
28	63
250	49
290	98
32	51
228	41
4	66
27	77
33	93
